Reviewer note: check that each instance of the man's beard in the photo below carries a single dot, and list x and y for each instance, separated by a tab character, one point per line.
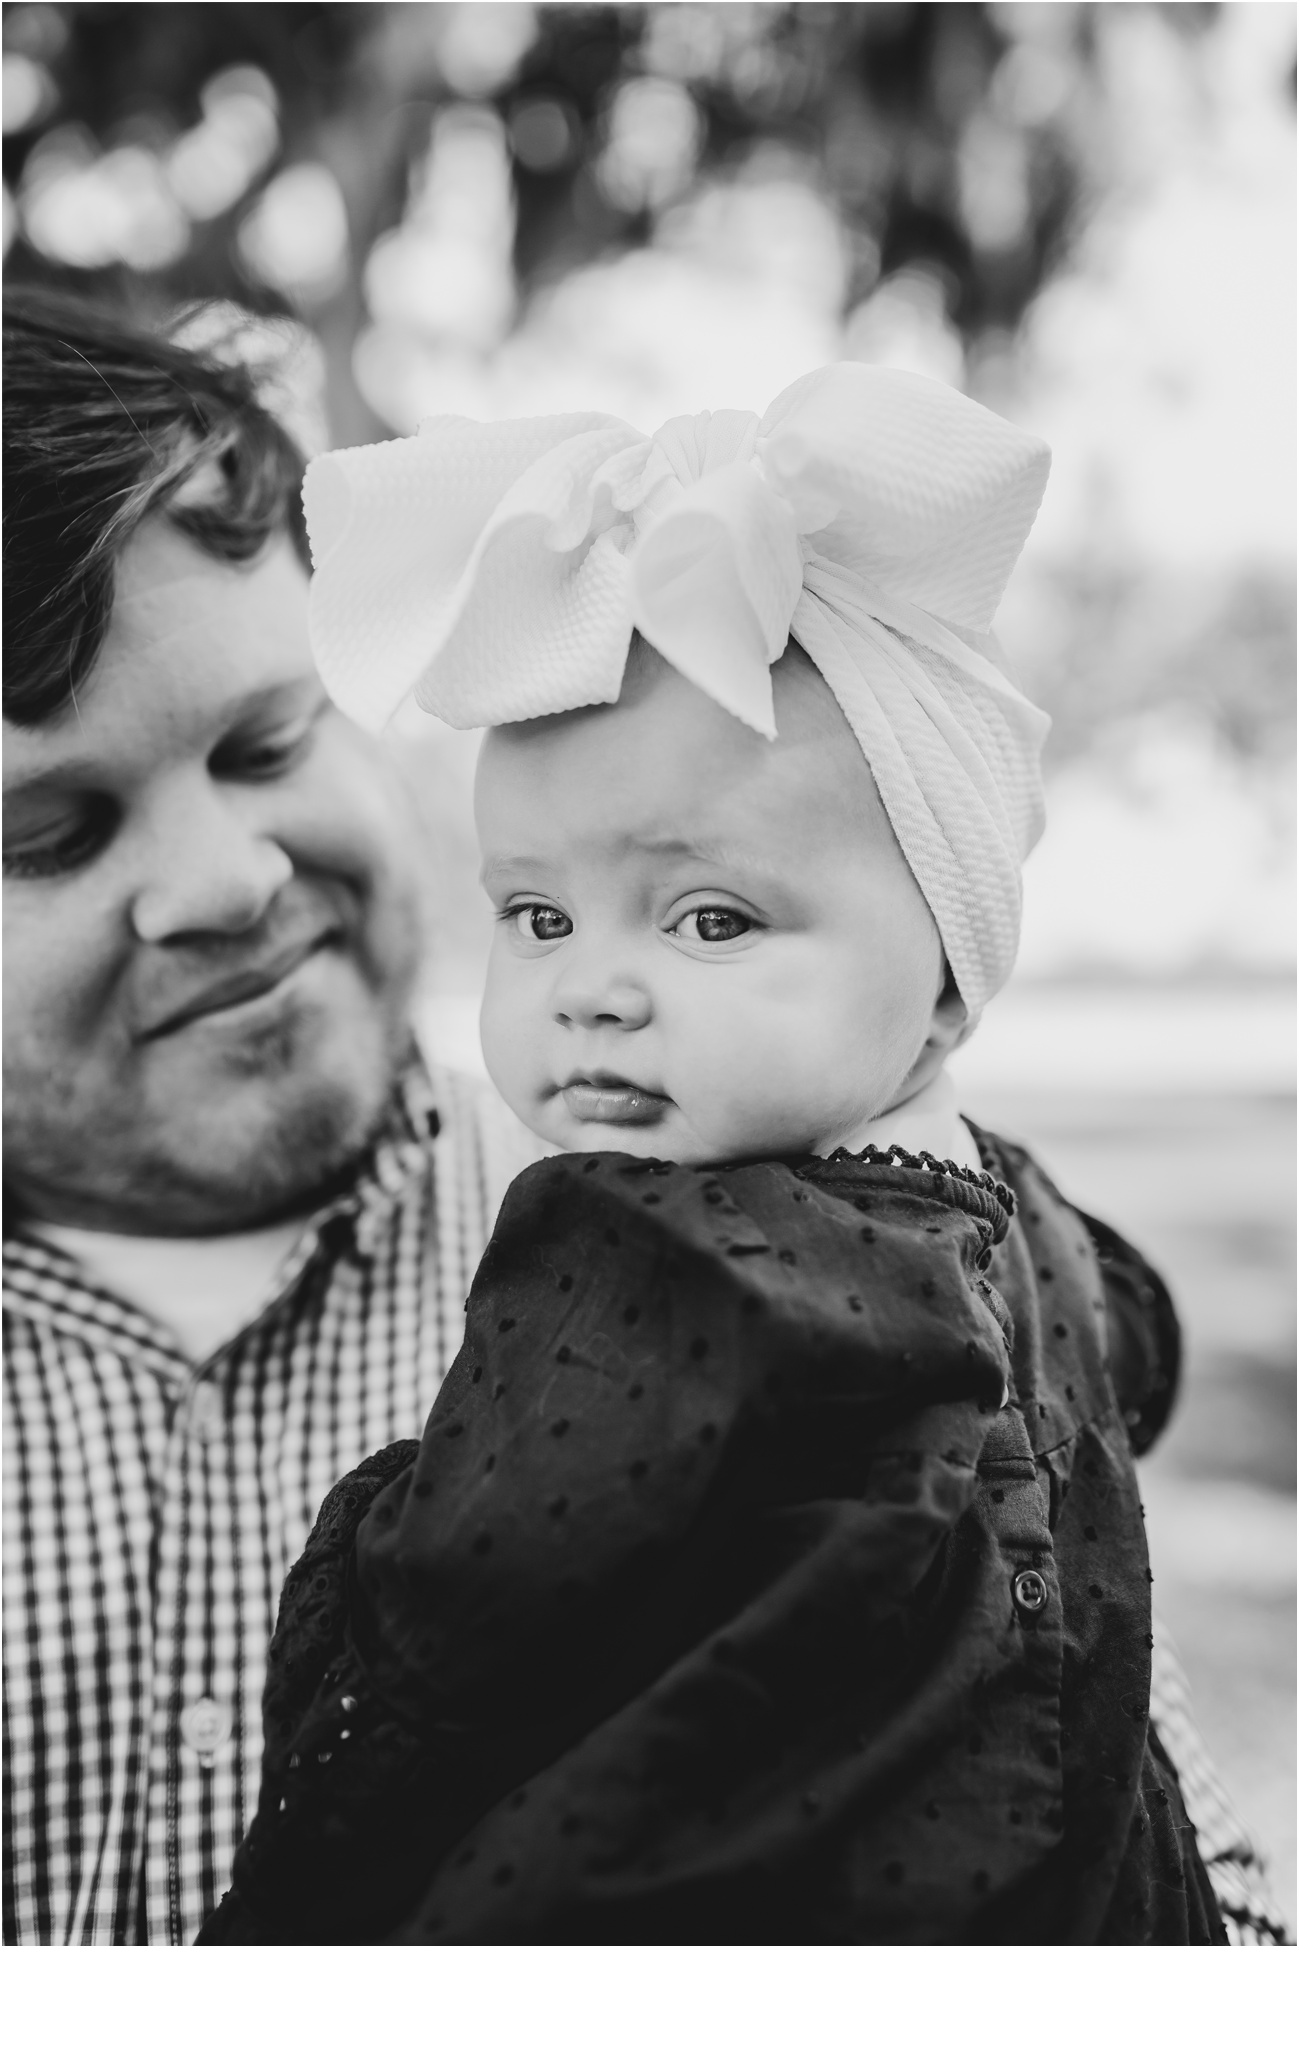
301	1158
303	1162
251	1158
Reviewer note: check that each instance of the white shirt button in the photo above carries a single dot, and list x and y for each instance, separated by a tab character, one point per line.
206	1412
205	1728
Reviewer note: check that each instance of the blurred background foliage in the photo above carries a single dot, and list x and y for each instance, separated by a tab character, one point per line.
172	142
1081	214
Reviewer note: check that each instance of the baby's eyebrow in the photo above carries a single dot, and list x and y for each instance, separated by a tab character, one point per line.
505	867
713	853
501	869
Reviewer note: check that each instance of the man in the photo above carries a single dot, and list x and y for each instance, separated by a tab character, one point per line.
242	1218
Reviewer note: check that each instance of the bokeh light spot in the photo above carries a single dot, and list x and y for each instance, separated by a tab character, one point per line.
296	236
30	94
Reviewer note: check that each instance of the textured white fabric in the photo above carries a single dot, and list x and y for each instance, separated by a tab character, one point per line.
497	572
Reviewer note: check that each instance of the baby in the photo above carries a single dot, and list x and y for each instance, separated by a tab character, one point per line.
708	944
772	1567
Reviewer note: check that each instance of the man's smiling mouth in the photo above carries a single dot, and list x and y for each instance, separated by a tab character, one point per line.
242	985
610	1099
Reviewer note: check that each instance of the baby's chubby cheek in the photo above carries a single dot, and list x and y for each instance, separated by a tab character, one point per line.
802	1071
514	1049
744	1073
759	1092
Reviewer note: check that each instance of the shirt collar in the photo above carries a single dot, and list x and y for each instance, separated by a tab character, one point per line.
396	1155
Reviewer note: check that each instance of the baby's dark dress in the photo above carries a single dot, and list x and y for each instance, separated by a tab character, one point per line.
726	1599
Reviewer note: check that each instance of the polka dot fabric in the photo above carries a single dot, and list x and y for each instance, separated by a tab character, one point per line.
771	1570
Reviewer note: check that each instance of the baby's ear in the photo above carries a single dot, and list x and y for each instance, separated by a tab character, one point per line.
951	1022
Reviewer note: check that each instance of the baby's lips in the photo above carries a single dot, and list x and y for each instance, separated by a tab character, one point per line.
612	1102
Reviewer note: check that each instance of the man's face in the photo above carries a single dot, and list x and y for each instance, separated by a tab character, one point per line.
209	913
708	945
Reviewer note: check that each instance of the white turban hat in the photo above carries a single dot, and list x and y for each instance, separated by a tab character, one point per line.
497	572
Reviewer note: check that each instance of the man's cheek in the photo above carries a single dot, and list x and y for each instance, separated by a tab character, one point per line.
368	879
349	780
59	983
338	812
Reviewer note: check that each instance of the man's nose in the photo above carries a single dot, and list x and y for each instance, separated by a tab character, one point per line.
208	868
592	993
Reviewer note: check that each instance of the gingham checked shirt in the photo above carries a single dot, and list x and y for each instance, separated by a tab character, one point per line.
152	1509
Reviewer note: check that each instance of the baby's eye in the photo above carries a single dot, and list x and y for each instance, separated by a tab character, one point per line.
714	923
539	921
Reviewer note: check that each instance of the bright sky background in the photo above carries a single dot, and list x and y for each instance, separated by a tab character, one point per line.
1161	368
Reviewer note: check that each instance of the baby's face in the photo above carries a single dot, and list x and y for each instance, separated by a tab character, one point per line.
708	945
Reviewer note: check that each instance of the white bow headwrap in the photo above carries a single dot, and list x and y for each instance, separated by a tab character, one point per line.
497	571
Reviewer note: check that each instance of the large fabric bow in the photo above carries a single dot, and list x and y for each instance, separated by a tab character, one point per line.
497	572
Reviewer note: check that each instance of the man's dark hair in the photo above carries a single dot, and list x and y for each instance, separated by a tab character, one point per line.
104	423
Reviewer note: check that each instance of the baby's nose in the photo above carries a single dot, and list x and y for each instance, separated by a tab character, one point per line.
586	1003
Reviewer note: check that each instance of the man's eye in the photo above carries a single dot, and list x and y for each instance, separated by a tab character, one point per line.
540	921
714	923
60	848
261	758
